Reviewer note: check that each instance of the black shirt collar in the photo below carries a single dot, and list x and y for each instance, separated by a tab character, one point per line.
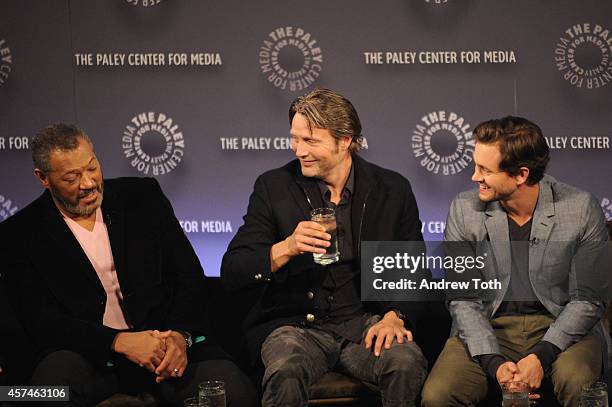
349	187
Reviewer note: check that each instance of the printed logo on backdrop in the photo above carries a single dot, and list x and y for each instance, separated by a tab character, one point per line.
443	143
153	143
144	3
433	227
264	143
6	208
146	59
578	142
583	55
291	58
436	1
437	57
14	143
606	205
6	61
191	226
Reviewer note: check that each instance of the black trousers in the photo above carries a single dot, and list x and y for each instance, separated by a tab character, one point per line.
90	384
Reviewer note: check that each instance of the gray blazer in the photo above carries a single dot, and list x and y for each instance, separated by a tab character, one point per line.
563	214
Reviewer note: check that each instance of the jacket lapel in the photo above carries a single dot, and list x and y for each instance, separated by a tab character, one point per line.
364	181
496	225
114	218
541	227
60	232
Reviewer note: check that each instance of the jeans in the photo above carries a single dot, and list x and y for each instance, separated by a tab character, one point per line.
295	357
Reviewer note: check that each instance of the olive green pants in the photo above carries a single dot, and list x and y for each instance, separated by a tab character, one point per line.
458	380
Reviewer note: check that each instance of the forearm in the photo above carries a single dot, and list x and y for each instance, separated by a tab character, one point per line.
473	327
575	321
243	266
547	353
490	363
279	255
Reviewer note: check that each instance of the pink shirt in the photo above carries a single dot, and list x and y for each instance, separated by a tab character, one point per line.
96	246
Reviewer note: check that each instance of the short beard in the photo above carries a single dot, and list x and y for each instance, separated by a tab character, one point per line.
75	209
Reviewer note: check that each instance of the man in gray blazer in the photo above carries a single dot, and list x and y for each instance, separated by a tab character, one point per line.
546	238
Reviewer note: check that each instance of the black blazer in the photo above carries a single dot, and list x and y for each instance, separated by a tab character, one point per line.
56	292
383	208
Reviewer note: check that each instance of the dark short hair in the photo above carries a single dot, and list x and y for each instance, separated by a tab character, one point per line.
521	144
56	137
326	109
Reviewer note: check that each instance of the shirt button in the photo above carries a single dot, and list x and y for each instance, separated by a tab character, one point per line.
310	295
330	298
258	277
310	317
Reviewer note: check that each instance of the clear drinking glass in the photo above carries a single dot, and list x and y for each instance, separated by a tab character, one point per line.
327	218
515	394
594	395
193	402
212	393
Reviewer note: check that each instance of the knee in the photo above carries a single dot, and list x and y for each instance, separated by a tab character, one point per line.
435	394
406	358
568	382
292	367
58	368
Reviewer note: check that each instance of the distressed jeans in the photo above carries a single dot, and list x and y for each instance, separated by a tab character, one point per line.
295	357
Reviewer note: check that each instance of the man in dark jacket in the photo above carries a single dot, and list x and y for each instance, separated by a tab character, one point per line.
310	318
106	284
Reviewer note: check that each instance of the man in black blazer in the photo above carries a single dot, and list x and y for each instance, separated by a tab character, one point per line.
310	319
107	285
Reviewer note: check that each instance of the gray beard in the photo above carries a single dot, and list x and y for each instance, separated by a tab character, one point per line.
75	209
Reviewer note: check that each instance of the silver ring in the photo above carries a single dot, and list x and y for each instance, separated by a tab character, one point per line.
175	371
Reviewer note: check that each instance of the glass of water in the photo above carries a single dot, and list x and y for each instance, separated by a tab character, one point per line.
192	402
212	393
327	218
594	395
515	394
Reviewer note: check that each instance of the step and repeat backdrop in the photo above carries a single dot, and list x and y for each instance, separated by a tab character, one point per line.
195	92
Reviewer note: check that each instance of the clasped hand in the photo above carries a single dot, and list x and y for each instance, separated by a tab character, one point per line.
162	353
528	370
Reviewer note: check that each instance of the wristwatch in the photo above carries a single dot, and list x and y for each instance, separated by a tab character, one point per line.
187	336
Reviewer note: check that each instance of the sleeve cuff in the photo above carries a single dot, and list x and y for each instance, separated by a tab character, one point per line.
490	363
547	353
